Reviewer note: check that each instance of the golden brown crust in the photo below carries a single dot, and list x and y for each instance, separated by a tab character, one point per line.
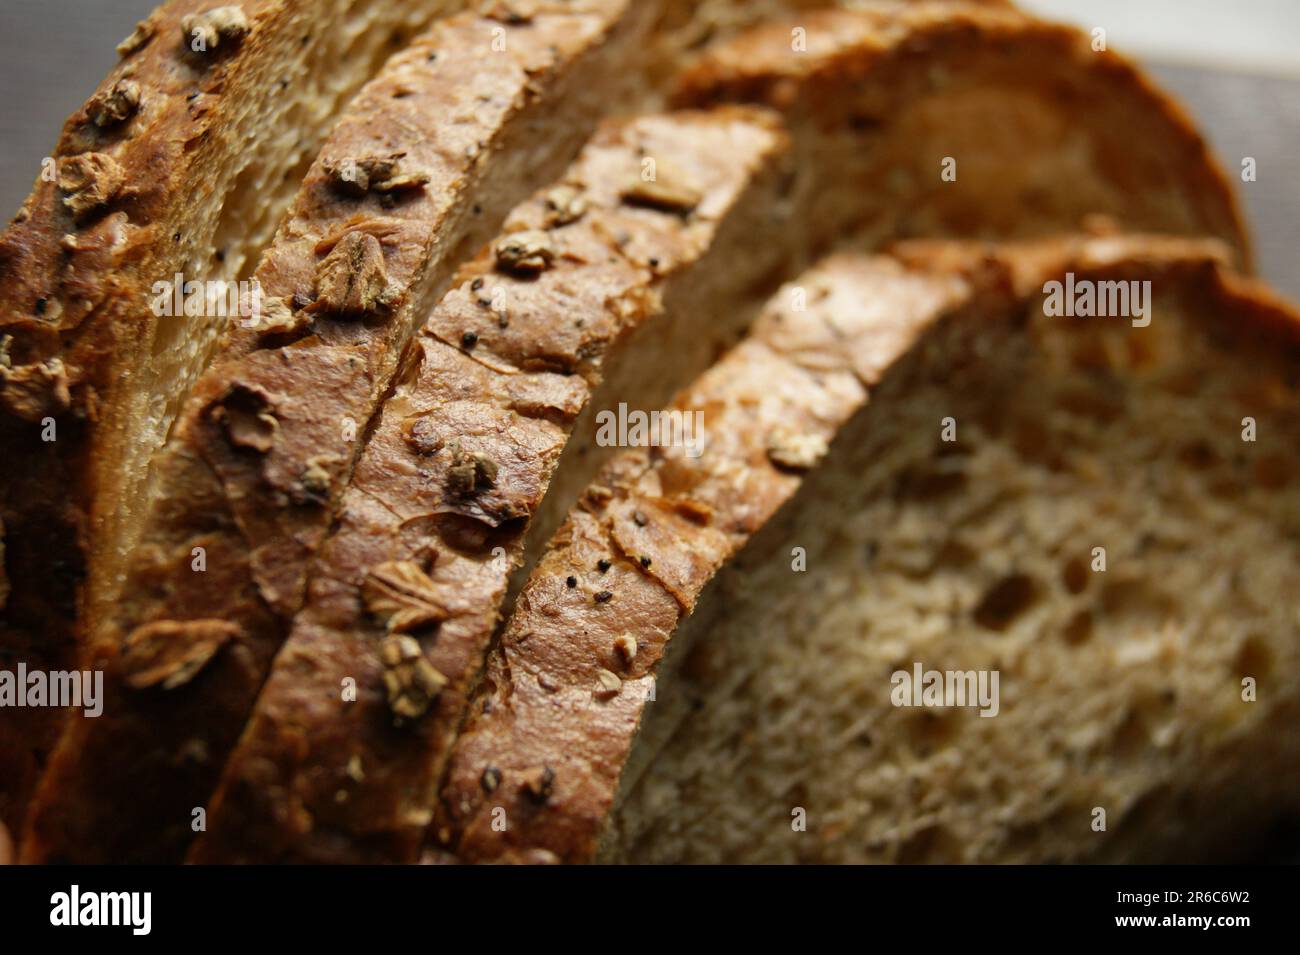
270	433
563	694
134	193
140	121
860	69
74	263
442	496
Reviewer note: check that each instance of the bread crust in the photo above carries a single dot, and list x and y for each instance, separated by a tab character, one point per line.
268	438
452	476
159	143
564	692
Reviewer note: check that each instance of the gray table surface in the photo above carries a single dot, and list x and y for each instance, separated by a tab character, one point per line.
56	51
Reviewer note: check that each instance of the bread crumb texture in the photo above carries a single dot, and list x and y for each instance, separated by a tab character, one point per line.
1120	689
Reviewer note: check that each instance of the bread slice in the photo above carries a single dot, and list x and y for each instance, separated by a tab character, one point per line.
181	162
734	698
918	106
447	138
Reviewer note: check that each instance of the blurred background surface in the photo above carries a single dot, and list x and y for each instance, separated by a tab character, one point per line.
1234	63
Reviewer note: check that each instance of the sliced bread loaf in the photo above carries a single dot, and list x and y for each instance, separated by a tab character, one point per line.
444	517
181	162
419	172
913	467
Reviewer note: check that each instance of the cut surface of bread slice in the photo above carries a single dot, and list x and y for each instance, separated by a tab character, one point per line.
181	162
421	170
920	105
605	288
736	697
